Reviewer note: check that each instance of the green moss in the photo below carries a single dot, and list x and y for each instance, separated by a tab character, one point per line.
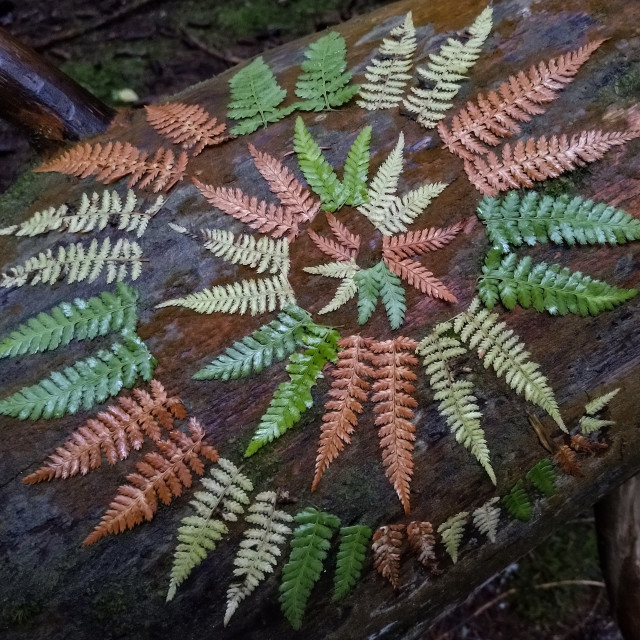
22	193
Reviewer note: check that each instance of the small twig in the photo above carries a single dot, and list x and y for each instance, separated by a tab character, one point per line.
227	58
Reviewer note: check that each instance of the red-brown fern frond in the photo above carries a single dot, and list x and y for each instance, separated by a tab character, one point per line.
387	547
580	444
349	240
497	115
567	460
258	214
349	390
161	172
162	475
284	185
187	124
346	245
532	160
420	278
393	400
422	542
113	433
415	243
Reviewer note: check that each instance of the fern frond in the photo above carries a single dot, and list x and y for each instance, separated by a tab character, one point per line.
452	531
345	291
163	474
486	518
392	294
422	542
545	287
259	550
416	243
270	343
324	82
517	502
543	477
78	263
368	285
311	541
419	277
534	160
565	456
388	73
393	400
348	240
457	402
116	160
445	71
339	270
349	389
255	98
513	220
589	424
293	397
387	546
261	254
580	444
253	296
85	383
405	210
354	541
114	433
333	249
501	348
186	124
225	498
517	99
356	169
599	403
77	320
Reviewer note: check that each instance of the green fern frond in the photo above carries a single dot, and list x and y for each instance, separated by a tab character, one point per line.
515	220
502	349
255	98
311	541
392	294
544	287
270	343
457	403
334	269
346	290
293	397
353	547
77	320
589	424
259	550
84	384
517	502
452	531
368	284
356	169
486	518
445	71
262	254
598	404
324	80
543	477
388	73
253	296
225	498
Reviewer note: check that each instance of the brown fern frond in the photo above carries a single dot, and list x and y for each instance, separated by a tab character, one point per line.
113	433
331	248
162	475
349	240
517	99
349	390
393	401
580	444
186	124
422	542
161	172
420	278
258	214
415	243
387	547
533	160
567	460
284	185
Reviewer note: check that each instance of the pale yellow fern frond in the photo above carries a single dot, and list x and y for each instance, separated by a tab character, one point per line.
345	291
334	269
405	210
486	518
452	531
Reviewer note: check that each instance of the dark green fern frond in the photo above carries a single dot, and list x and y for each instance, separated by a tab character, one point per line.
311	541
517	502
353	547
392	294
544	287
324	82
368	283
543	477
515	220
356	169
85	383
77	320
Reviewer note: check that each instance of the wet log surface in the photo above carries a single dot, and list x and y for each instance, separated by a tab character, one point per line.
53	588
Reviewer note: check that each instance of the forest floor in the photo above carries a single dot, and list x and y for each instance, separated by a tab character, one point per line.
133	52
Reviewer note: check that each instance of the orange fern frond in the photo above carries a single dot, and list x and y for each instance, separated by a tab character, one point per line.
497	115
415	243
258	214
532	160
346	245
393	400
387	547
420	278
349	240
284	185
580	444
349	390
116	160
567	460
161	475
186	124
114	432
422	542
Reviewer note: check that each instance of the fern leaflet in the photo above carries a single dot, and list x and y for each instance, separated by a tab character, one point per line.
368	285
345	291
486	518
598	404
590	424
422	542
356	169
543	477
452	531
354	541
392	294
387	546
517	502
